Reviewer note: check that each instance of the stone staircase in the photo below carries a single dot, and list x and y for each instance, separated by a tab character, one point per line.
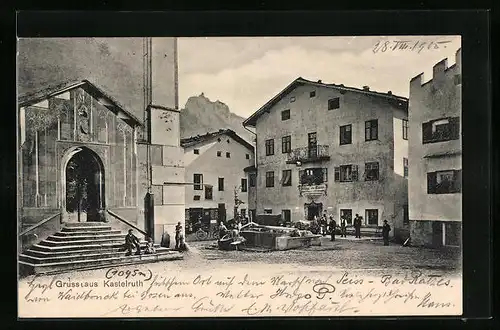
85	245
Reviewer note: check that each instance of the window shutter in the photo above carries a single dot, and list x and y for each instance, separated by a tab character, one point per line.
426	132
337	174
354	172
301	175
325	175
457	181
454	128
431	183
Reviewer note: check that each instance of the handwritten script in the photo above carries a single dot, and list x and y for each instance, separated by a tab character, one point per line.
408	45
142	293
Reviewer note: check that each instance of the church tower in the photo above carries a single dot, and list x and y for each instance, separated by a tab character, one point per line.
162	176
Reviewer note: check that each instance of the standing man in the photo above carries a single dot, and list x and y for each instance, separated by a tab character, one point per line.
385	232
357	226
178	233
333	226
342	227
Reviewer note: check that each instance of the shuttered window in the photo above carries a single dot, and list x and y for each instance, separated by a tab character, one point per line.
439	130
444	182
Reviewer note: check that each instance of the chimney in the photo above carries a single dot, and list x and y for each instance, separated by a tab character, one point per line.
319	81
366	88
389	93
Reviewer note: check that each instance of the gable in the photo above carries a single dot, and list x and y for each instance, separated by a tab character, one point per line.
81	93
395	100
80	112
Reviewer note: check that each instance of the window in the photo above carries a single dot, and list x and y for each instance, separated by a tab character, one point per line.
247	156
221	184
270	179
457	79
312	143
292	99
441	130
371	171
244	185
286	216
312	94
270	147
313	176
198	181
345	134
268	211
196	151
286	144
209	192
372	217
347	215
406	218
286	179
346	173
405	167
334	103
219	153
285	114
228	155
196	197
444	182
405	129
371	130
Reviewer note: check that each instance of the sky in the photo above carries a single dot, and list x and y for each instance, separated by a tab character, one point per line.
246	72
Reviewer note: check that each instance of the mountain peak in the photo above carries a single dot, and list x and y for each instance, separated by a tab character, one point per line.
200	115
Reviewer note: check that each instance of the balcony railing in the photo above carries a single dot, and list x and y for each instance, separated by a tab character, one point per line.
308	154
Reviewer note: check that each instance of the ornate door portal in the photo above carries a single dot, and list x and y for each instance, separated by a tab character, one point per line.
84	187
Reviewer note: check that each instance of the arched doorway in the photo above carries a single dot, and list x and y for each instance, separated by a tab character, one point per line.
83	186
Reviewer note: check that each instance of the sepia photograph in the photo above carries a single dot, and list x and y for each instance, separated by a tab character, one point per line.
239	176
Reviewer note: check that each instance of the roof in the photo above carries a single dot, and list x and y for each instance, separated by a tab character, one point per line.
252	120
104	98
194	140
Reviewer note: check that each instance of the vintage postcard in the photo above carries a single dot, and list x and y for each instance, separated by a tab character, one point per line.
248	176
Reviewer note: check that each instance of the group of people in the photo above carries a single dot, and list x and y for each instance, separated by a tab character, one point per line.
332	227
132	242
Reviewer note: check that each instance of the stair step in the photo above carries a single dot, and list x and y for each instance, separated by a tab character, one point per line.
86	224
79	229
84	233
78	247
42	251
29	257
64	238
59	267
80	244
86	229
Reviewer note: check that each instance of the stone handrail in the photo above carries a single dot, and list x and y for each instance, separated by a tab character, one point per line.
38	224
119	218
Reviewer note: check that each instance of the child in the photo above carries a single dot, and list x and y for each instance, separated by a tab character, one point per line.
150	248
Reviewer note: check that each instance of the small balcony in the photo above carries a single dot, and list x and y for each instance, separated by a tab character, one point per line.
308	155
